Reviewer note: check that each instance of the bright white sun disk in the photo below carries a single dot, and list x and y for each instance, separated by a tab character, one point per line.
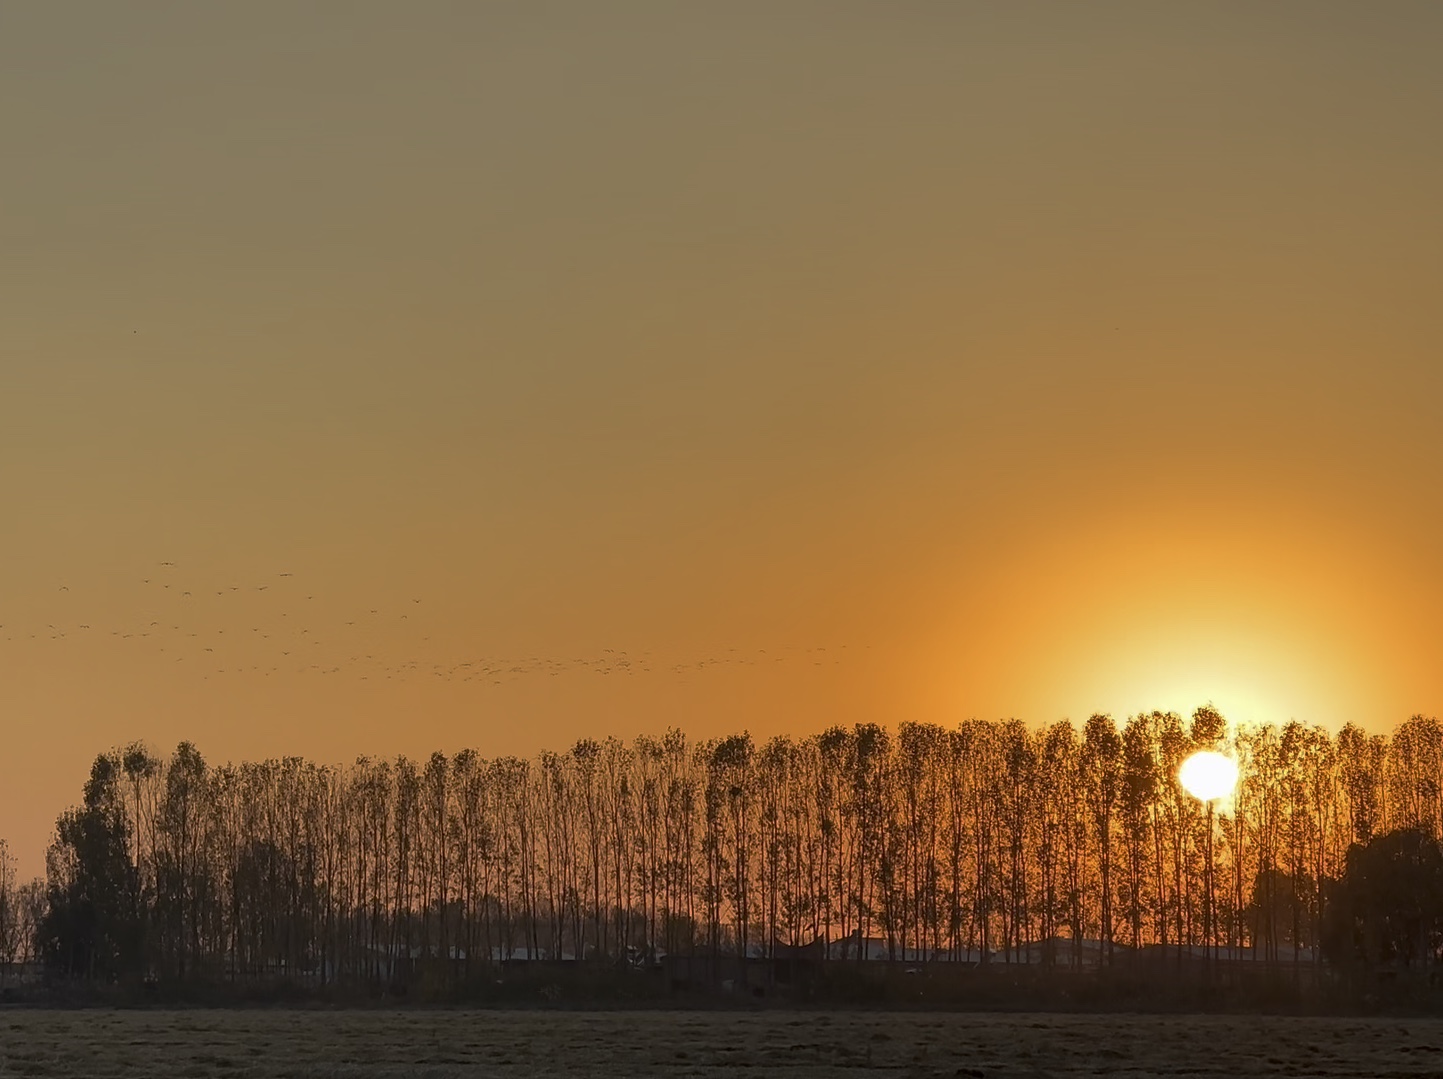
1207	775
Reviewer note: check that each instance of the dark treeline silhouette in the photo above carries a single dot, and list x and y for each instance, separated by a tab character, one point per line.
932	845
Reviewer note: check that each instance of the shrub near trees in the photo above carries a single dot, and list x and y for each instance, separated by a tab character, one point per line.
946	843
1387	908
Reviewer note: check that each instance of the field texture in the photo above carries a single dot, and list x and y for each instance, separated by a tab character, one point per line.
676	1044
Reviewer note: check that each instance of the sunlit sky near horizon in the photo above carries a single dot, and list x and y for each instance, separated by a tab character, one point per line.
496	375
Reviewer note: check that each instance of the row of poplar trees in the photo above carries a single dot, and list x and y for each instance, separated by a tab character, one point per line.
934	843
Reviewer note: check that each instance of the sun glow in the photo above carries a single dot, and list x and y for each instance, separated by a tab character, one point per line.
1208	776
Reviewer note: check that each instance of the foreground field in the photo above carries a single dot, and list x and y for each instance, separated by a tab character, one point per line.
438	1044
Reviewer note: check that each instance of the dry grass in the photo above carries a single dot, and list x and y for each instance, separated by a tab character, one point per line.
372	1044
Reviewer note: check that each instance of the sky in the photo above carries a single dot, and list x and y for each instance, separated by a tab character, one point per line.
380	378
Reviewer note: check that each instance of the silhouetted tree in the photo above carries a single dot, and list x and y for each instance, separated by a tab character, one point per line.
12	922
90	927
1100	767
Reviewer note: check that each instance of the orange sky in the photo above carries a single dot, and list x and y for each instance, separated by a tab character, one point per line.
720	368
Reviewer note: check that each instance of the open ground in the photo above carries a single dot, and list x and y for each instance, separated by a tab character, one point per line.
437	1043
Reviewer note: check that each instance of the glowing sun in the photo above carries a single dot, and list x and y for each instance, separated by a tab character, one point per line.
1208	776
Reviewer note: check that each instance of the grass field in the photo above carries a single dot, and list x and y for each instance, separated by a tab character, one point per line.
676	1044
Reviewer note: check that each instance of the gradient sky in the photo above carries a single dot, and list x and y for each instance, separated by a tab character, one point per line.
756	366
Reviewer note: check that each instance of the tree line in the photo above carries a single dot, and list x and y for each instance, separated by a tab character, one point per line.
959	843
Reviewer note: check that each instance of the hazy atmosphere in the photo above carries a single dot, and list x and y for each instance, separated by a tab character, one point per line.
376	378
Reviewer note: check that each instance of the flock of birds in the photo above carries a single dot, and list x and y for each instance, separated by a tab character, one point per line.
275	626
